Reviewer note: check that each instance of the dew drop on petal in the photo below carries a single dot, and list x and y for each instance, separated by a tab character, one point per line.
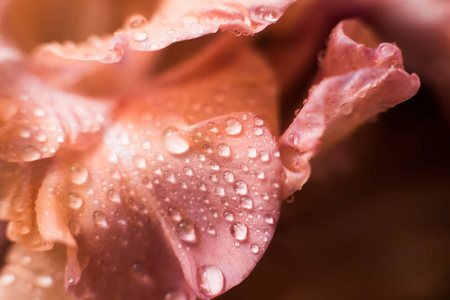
176	295
346	108
228	176
246	202
186	231
139	35
30	153
113	195
251	152
254	248
211	281
139	162
232	126
293	138
79	174
240	187
75	200
7	279
228	215
174	214
239	231
224	150
268	219
173	141
39	112
99	218
264	156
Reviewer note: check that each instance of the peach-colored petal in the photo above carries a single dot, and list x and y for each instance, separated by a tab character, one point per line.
29	274
174	21
37	119
340	103
9	180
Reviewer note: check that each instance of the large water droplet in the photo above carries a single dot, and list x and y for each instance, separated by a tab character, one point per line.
211	281
99	218
79	174
239	231
246	202
269	219
232	126
75	201
139	35
224	150
186	231
139	161
113	195
228	176
265	157
30	154
267	13
346	108
240	187
174	142
251	152
293	138
136	21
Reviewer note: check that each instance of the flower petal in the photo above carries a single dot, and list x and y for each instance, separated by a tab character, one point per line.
174	21
27	274
340	103
37	119
180	209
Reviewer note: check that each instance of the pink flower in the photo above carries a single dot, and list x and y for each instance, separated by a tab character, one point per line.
131	175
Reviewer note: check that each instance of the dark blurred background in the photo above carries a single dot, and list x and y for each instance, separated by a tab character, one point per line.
373	222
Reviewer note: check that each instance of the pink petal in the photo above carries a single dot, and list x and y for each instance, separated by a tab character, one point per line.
180	209
37	119
28	274
174	21
340	103
9	179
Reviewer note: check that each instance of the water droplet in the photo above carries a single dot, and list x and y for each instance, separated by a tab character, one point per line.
258	131
75	201
251	152
186	231
174	214
228	215
7	279
41	137
387	49
188	171
212	127
232	126
99	218
113	195
39	112
211	230
268	219
254	248
30	154
174	142
136	21
246	203
176	295
267	13
240	187
228	176
201	186
201	157
44	281
293	138
79	174
140	272
239	231
139	161
146	145
219	191
139	35
346	108
215	166
224	150
25	133
260	174
264	156
211	281
258	121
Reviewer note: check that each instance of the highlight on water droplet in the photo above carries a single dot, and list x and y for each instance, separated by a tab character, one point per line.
139	35
173	141
79	174
75	200
186	231
254	248
211	280
232	126
239	231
